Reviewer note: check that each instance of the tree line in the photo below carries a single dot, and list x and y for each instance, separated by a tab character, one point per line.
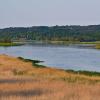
52	33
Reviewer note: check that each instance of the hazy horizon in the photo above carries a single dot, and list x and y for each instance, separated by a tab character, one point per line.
27	13
44	25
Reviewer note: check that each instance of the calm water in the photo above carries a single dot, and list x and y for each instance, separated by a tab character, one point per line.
58	56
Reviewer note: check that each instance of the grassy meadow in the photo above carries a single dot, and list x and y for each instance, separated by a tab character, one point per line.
20	79
45	89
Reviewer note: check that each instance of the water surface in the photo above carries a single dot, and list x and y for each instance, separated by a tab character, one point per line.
63	57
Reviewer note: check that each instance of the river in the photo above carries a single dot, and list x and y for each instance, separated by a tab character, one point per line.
62	57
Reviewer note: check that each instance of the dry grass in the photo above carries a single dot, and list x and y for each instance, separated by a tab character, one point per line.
31	83
22	88
10	66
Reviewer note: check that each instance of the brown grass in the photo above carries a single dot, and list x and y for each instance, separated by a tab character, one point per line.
32	83
21	88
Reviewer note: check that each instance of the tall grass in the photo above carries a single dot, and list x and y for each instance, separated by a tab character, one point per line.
19	80
41	89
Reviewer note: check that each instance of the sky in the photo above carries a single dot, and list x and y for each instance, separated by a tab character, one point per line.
25	13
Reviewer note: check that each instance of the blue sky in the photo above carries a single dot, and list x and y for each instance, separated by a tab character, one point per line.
16	13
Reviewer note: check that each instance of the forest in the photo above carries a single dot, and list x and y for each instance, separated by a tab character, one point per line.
52	33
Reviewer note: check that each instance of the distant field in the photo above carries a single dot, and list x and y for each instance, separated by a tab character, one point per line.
10	44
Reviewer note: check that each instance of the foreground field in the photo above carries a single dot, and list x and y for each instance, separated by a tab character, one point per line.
20	80
40	89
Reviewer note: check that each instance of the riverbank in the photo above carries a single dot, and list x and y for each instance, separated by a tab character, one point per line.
95	44
21	66
22	79
10	44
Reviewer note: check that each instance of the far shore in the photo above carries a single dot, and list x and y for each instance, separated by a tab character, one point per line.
94	44
10	44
